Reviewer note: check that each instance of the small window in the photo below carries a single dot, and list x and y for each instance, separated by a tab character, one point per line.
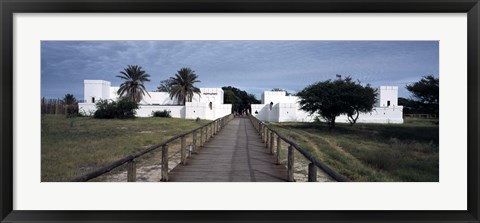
256	112
93	99
271	105
210	105
388	103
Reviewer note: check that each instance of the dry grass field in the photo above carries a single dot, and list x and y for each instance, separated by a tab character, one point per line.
373	152
71	147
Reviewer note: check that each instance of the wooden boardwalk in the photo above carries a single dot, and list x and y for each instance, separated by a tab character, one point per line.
235	154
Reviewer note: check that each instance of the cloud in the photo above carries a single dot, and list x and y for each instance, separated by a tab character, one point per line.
256	65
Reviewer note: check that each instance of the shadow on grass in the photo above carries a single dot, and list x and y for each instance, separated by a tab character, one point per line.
427	133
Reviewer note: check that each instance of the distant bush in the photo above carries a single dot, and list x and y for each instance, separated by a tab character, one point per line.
162	114
197	119
71	110
122	108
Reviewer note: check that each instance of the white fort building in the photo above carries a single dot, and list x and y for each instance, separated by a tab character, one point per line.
276	105
208	105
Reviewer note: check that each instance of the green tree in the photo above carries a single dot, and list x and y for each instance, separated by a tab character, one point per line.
133	86
329	99
71	105
358	98
123	108
165	85
69	99
182	86
410	106
279	89
240	100
426	92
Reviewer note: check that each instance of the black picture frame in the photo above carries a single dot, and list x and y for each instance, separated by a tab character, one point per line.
9	7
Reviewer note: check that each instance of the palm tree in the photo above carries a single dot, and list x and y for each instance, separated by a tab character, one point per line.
182	85
70	105
69	99
133	87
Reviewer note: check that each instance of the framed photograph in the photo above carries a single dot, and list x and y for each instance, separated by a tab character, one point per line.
254	112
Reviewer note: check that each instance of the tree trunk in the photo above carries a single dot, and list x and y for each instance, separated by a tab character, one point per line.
332	122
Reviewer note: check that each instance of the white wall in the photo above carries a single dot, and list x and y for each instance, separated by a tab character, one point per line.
113	93
277	97
283	112
260	111
159	101
97	89
384	115
158	98
388	93
195	110
287	109
214	95
292	113
223	110
86	108
146	110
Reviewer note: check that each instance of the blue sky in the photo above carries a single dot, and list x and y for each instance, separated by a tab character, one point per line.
253	66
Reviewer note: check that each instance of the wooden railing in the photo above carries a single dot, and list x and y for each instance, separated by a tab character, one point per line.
206	131
269	136
426	116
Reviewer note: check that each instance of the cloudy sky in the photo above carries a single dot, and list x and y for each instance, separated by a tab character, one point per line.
253	66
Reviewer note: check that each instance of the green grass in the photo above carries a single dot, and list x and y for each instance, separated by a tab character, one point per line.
373	152
71	147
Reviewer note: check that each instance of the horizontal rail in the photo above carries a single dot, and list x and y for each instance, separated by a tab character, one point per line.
103	170
131	157
302	151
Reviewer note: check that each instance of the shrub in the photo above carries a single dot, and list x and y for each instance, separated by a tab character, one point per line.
71	110
122	108
162	114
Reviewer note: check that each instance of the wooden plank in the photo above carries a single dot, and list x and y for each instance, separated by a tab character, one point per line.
164	163
236	154
291	158
183	150
312	172
272	141
131	171
201	137
279	146
194	143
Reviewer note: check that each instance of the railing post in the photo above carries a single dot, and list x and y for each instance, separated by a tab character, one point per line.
290	163
201	137
260	131
279	145
183	152
267	142
194	141
272	141
264	137
164	163
131	171
206	134
214	127
312	173
211	130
